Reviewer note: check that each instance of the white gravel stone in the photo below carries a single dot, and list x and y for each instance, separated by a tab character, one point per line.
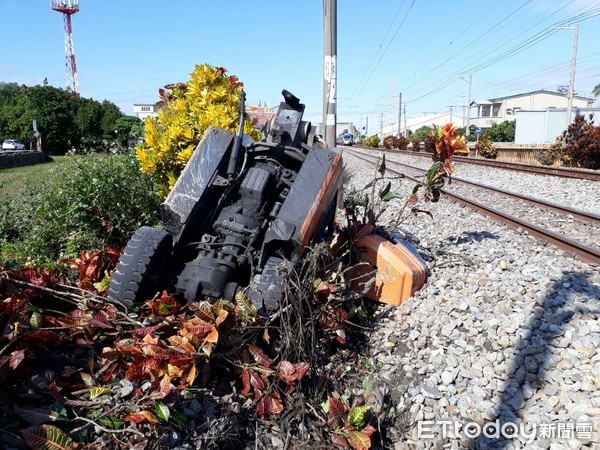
517	321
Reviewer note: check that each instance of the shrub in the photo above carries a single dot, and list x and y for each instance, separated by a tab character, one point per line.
373	141
503	131
580	144
429	143
389	142
209	98
94	201
548	156
486	148
400	142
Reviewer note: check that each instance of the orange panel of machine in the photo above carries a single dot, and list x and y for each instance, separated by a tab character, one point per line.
386	272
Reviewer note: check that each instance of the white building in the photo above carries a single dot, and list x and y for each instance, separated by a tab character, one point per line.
143	110
496	110
414	123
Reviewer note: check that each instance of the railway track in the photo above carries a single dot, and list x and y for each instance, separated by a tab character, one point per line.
584	246
528	168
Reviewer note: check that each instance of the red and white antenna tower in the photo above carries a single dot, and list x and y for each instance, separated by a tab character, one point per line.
68	8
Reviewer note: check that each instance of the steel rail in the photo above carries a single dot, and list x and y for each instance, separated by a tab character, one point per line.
584	216
582	174
584	252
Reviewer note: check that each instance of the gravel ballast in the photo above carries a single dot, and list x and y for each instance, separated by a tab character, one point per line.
505	328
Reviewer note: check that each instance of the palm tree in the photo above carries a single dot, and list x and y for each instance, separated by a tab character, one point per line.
596	91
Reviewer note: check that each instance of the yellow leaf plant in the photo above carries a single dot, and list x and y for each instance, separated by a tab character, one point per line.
210	97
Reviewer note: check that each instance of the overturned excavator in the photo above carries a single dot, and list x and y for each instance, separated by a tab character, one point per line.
238	210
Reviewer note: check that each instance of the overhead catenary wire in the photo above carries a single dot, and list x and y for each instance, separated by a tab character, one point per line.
384	52
494	59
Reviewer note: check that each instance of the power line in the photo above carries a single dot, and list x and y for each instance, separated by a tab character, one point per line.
379	48
386	49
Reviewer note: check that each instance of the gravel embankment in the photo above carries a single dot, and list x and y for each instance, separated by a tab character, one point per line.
505	328
580	194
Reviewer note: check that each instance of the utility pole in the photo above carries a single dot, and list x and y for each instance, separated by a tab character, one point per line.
450	112
470	81
367	128
405	129
399	112
572	82
330	71
573	63
381	126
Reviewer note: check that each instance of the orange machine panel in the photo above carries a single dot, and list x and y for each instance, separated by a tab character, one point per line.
387	272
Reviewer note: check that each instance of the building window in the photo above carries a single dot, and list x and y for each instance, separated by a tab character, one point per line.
145	109
495	110
485	111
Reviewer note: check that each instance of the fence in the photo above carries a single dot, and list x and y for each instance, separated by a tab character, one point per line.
515	153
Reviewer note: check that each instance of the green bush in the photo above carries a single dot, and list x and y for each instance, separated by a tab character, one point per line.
95	200
373	141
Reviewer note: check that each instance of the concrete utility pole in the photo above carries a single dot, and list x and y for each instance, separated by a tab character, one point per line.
470	81
450	112
367	127
405	128
381	127
572	82
330	71
573	63
399	113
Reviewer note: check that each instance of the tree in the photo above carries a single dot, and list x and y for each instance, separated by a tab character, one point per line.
54	110
65	122
110	114
421	133
502	132
596	91
89	122
128	127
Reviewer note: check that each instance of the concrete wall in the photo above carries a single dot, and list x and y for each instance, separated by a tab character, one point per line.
22	158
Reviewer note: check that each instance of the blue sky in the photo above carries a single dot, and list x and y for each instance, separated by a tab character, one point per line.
128	49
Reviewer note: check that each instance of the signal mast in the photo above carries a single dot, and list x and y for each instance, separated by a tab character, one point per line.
68	8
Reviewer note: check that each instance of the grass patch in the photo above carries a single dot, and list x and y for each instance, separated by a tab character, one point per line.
53	211
14	182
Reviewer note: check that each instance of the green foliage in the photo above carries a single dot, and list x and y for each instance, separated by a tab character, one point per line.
373	141
486	148
128	127
596	91
421	133
208	98
65	122
502	132
580	144
91	201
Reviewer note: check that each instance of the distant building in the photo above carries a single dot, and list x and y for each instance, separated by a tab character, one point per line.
543	126
496	110
412	124
261	114
143	110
